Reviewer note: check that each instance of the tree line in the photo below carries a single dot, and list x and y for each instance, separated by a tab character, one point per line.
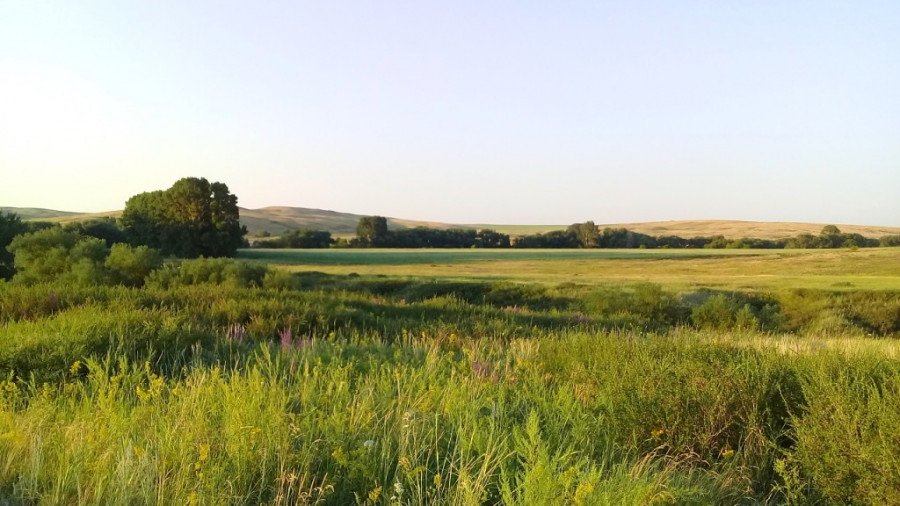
373	232
588	235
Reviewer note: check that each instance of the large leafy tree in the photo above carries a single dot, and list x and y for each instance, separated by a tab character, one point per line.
372	231
487	238
586	233
192	218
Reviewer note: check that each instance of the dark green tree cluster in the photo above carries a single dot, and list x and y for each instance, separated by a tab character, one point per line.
487	238
553	239
10	227
302	238
832	237
55	254
586	235
423	237
192	218
373	232
624	238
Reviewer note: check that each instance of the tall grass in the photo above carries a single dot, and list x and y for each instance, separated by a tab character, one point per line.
379	391
582	418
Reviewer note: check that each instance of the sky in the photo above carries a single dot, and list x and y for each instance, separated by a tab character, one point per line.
465	111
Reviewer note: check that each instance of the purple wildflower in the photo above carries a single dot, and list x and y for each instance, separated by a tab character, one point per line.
287	339
236	333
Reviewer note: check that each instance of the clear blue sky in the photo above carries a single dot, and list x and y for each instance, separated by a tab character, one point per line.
463	111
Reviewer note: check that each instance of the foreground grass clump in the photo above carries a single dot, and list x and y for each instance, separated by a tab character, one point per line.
576	419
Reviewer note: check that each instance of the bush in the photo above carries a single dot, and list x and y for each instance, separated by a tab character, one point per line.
221	271
647	306
130	265
745	319
56	254
718	312
279	279
848	439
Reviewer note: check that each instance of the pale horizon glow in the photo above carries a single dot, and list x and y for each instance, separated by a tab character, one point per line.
460	112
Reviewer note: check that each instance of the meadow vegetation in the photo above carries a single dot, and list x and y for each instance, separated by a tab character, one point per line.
693	269
224	381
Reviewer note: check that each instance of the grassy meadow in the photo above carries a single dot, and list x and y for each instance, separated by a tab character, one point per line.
460	377
743	269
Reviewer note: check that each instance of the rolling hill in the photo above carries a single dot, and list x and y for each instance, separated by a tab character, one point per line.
275	220
735	229
37	213
278	219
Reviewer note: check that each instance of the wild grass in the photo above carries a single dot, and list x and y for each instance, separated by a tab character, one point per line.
577	419
328	389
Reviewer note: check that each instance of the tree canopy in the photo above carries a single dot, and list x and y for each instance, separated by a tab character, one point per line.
586	233
192	218
372	231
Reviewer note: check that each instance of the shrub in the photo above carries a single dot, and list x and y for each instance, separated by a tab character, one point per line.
223	271
54	253
279	279
745	319
717	312
130	265
847	439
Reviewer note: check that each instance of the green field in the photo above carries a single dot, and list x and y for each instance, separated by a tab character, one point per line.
374	256
459	377
870	269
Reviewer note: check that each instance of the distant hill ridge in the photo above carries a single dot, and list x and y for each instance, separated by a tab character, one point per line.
278	219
